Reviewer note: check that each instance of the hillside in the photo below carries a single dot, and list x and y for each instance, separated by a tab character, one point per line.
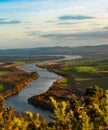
82	50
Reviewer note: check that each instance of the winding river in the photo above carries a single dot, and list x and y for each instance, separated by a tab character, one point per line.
36	87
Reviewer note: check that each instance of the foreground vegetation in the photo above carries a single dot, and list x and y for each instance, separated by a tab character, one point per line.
87	113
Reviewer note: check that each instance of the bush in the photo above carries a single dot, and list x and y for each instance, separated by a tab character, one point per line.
81	115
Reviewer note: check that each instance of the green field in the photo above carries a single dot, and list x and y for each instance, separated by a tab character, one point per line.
65	82
86	72
18	63
83	72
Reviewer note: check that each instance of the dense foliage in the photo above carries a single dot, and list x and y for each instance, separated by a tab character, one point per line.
88	113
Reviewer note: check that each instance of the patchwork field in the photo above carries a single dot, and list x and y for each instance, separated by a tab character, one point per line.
81	73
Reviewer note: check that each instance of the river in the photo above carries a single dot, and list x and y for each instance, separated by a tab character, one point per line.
36	87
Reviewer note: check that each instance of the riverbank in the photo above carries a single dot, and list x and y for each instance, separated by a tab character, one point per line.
78	75
14	80
58	91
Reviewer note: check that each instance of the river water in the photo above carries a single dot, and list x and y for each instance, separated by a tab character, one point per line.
36	87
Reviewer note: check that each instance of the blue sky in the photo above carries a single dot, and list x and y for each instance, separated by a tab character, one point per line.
39	23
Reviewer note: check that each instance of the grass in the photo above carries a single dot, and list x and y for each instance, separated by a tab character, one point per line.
3	72
86	69
64	82
83	83
67	83
85	72
18	63
82	73
2	87
89	61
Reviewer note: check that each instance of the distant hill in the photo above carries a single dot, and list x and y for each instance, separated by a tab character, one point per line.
58	50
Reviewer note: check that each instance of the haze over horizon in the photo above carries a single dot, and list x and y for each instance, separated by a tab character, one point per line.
47	23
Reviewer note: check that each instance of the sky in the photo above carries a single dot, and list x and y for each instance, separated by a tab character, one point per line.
48	23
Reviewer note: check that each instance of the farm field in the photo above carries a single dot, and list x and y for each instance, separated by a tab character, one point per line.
82	73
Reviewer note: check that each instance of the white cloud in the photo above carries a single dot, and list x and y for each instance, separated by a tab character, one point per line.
33	16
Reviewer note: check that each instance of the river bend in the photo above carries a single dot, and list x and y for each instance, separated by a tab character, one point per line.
19	101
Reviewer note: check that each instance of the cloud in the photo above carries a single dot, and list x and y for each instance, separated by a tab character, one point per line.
106	27
2	19
5	21
32	33
65	23
75	17
50	21
83	35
